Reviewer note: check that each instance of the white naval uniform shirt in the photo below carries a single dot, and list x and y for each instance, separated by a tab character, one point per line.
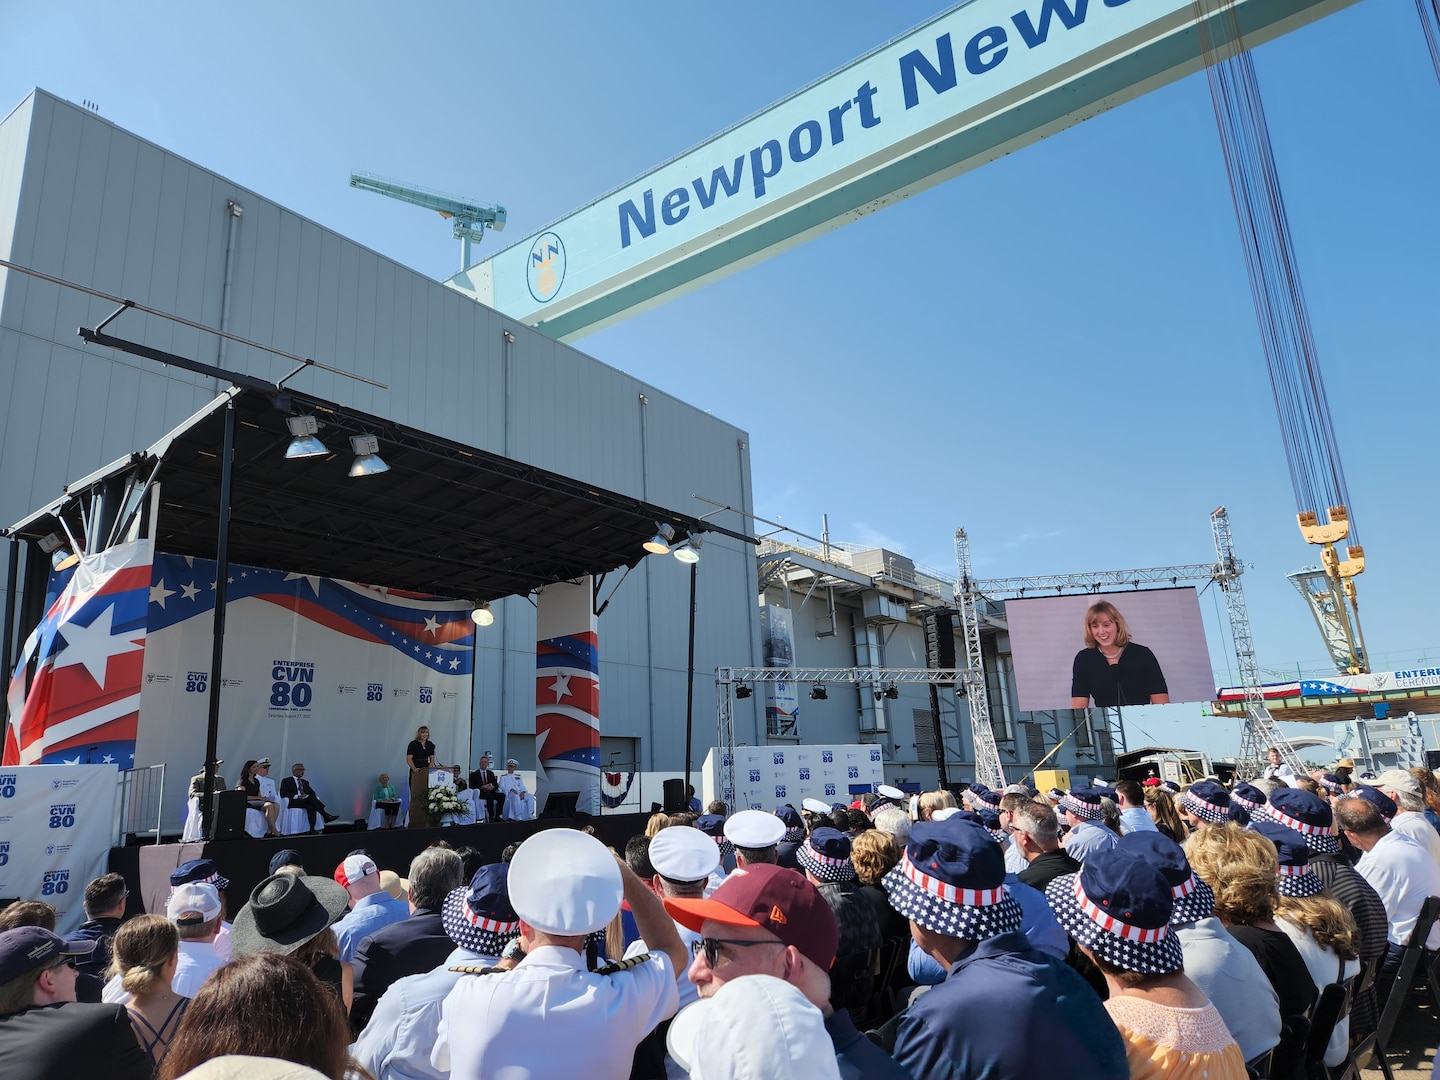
550	1017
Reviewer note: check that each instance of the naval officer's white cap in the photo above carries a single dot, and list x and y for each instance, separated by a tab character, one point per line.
815	806
565	882
753	829
684	853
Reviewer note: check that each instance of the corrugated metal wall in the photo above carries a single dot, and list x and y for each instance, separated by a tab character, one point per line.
88	202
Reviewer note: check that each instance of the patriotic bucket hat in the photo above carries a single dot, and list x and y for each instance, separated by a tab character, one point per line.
713	826
1307	814
1331	783
1249	797
827	855
1119	907
1084	803
951	880
1170	786
1208	801
991	821
197	870
794	823
1295	876
480	918
1377	798
1192	898
988	800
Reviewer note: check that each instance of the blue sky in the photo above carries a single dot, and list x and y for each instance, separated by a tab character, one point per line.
1056	351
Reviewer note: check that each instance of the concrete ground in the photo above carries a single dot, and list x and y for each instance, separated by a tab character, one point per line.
1416	1035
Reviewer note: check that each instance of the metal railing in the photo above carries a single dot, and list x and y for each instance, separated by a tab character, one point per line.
139	802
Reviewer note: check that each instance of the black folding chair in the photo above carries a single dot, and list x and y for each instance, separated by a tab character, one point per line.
1373	1047
1329	1009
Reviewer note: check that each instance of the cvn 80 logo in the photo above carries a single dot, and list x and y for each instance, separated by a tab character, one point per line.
292	684
7	785
196	682
62	815
56	883
4	852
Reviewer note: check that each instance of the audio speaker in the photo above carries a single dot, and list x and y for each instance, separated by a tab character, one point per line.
675	802
1432	760
227	815
560	804
939	625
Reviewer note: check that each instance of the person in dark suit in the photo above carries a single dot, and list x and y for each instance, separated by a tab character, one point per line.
413	945
51	1036
302	796
487	784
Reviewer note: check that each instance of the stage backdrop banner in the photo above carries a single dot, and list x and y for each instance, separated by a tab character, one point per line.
1047	632
567	695
782	702
329	673
56	826
770	776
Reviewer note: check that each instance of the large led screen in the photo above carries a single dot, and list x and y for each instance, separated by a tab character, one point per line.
1074	651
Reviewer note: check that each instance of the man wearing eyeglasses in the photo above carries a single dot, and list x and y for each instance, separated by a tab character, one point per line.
45	1034
767	920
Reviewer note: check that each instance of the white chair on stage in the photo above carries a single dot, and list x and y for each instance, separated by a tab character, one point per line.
191	832
477	805
377	816
294	822
255	822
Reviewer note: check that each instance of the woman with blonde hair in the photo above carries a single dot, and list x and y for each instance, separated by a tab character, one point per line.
1114	669
874	854
655	824
145	952
1242	867
1161	806
931	801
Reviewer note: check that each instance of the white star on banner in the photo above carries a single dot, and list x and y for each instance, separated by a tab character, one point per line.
190	591
313	579
158	592
432	624
93	645
454	665
70	761
561	686
107	760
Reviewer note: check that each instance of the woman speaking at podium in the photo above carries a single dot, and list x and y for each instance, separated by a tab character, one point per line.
1112	669
420	756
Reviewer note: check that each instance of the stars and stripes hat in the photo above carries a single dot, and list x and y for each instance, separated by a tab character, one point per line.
1208	801
197	870
951	881
1295	878
1170	786
827	855
713	826
1119	907
1308	814
988	800
1250	797
1192	898
793	822
480	917
990	821
1084	803
1331	783
1377	798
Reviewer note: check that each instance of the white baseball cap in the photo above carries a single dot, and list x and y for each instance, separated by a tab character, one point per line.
192	899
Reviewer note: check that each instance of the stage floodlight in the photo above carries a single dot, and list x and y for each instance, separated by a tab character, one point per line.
303	441
819	693
689	551
367	457
659	544
61	557
892	691
482	615
742	691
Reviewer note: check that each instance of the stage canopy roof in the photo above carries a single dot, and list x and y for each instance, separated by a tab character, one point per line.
446	518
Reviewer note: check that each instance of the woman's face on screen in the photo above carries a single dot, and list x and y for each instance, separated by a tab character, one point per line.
1102	629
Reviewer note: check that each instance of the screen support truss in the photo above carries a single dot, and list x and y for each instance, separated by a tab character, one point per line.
880	678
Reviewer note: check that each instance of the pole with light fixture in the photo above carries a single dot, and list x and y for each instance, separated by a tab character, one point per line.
366	449
482	615
304	442
217	633
689	552
659	544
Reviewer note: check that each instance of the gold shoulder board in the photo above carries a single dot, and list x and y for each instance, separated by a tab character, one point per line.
617	966
474	969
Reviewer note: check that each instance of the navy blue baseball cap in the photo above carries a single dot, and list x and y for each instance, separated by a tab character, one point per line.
24	949
1192	898
951	881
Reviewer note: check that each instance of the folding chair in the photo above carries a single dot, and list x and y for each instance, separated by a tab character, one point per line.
1329	1009
1374	1046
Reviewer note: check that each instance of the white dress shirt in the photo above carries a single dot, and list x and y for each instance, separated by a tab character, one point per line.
1404	874
549	1017
1418	828
197	961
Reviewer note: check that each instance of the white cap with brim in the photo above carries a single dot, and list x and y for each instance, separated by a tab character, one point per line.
756	1027
892	793
194	898
815	806
747	829
565	882
684	853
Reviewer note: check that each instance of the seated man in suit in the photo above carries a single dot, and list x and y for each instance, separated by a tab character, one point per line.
302	796
487	784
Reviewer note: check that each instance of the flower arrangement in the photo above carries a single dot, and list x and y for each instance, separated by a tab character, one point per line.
443	800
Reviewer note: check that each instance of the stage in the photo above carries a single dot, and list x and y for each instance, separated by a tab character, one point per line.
246	862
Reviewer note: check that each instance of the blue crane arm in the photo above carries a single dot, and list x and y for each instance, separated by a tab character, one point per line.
469	213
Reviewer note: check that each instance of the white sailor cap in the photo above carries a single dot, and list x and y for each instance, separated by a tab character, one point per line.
894	794
565	882
815	806
749	829
684	853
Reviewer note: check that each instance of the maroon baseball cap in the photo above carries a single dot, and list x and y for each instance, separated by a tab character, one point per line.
773	898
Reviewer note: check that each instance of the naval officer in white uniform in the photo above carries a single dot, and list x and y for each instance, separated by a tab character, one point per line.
551	1017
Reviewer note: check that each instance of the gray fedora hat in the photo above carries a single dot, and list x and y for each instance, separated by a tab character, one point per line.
284	912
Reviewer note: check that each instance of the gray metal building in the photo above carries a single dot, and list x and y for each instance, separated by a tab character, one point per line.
87	202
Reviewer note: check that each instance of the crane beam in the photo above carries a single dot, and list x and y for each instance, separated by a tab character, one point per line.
469	219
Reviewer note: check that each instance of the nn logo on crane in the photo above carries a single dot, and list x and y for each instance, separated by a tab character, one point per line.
545	269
